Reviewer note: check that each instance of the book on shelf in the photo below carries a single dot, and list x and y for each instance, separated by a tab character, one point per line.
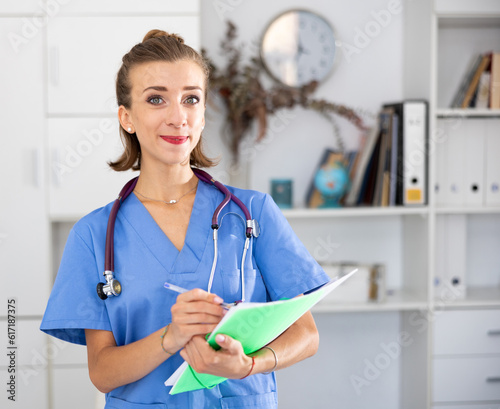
480	85
466	80
392	165
495	81
361	163
484	64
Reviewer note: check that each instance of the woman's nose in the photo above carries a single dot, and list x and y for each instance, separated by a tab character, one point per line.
176	116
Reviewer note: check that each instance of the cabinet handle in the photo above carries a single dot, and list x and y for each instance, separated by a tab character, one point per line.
493	379
55	171
493	332
54	66
37	165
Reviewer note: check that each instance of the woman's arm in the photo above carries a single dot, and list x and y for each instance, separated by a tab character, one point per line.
196	312
298	342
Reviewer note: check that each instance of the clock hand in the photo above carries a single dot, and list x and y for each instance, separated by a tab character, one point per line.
301	50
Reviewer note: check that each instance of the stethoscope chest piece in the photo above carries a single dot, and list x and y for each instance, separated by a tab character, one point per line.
112	287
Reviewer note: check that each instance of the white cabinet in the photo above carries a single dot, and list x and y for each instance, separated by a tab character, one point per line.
26	7
466	144
466	356
79	178
84	55
155	7
466	349
72	388
59	128
24	228
25	363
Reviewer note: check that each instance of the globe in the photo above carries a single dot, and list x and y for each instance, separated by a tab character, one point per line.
332	182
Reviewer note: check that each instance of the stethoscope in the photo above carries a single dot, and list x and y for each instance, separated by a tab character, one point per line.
112	287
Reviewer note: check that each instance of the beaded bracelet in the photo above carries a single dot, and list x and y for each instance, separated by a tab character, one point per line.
275	361
163	336
251	368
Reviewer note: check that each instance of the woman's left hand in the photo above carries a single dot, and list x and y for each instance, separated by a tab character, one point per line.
229	362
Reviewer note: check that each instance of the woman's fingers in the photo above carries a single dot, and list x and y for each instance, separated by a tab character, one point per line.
230	361
195	312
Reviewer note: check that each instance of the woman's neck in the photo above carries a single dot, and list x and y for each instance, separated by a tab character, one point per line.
167	183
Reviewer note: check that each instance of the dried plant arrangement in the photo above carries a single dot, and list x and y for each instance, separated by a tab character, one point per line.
246	100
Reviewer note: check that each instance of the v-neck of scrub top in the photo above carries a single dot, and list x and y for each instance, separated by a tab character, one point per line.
197	234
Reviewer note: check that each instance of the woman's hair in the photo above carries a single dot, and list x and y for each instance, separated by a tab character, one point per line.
157	45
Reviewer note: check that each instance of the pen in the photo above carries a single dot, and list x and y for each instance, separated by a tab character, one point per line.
181	290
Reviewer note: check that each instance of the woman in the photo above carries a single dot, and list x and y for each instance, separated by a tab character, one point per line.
136	340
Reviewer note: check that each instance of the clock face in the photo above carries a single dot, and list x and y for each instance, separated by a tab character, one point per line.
298	47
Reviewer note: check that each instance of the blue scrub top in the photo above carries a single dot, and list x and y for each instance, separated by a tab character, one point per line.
277	265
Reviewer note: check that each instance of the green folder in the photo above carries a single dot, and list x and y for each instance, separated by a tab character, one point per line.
254	325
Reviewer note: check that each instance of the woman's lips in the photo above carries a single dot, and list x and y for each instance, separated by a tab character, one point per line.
175	140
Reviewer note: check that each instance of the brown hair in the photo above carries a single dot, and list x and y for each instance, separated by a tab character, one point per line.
157	45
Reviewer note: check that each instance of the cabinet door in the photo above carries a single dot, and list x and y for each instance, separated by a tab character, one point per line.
24	363
467	332
24	230
80	179
134	6
24	6
466	379
71	388
85	54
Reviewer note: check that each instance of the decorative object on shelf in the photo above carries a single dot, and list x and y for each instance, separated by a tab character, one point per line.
306	53
330	180
246	100
281	192
367	286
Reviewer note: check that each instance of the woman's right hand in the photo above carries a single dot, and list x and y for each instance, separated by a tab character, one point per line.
196	312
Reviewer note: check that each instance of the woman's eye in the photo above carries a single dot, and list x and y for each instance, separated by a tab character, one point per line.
155	100
192	100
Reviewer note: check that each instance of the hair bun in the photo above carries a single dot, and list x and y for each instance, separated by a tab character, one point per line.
161	33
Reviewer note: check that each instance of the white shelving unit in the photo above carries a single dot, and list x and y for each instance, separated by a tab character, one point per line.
425	244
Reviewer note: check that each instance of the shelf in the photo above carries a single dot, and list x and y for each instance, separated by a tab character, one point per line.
303	213
398	301
467	113
478	297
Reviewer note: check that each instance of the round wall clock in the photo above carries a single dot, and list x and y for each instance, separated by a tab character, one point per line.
298	47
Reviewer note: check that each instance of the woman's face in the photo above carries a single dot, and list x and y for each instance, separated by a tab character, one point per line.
167	110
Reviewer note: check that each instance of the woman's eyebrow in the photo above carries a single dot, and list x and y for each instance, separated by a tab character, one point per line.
164	89
156	88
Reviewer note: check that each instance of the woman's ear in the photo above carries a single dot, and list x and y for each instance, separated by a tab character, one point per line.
125	120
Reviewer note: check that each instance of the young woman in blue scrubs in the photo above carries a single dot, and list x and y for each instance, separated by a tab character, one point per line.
136	340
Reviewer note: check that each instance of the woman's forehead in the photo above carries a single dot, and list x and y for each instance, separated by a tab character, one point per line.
182	74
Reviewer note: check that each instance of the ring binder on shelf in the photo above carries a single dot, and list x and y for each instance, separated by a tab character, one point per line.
413	151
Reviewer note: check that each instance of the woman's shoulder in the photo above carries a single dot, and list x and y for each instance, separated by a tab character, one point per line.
251	198
246	193
94	221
